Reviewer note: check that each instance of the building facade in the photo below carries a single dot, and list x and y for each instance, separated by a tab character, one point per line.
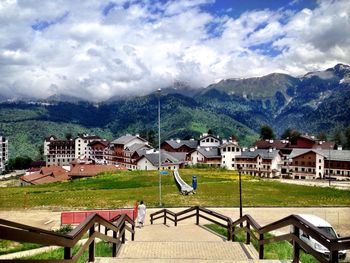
58	152
82	145
229	151
260	162
3	153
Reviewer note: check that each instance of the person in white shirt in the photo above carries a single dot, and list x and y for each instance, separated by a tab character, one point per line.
141	213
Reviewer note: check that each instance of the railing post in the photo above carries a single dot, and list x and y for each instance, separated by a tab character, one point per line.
92	245
68	253
233	233
123	229
133	233
229	230
334	256
151	219
296	246
175	222
164	217
248	234
261	246
114	246
197	215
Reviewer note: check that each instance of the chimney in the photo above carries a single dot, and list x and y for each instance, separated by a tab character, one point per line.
224	141
137	135
340	148
270	141
270	150
178	140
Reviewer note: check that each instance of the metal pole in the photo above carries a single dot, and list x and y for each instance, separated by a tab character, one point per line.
159	157
329	167
240	196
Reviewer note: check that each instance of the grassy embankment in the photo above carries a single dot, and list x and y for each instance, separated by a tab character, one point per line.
277	250
215	188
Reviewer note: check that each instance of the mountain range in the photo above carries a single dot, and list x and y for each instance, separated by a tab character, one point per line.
316	102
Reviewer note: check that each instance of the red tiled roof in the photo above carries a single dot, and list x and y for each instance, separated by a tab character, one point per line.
46	175
82	170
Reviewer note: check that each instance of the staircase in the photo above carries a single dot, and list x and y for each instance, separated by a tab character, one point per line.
184	243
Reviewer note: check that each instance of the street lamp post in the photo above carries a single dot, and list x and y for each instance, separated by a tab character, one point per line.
329	166
240	194
159	157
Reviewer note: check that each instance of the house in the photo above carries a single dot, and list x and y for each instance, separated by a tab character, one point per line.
82	145
58	152
45	175
271	144
3	153
133	152
207	155
209	140
260	162
309	142
179	145
79	170
169	160
119	151
96	150
319	164
229	150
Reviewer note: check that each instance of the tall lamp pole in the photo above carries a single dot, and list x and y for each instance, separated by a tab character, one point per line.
240	194
329	166
159	157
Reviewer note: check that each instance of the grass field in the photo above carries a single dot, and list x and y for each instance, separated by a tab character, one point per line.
278	250
216	187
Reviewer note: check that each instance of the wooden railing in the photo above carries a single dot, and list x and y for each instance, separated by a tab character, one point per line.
257	232
92	224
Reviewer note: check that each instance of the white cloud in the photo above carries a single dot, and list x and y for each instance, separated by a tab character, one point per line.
140	46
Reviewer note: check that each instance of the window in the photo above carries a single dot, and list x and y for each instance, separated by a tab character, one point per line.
224	149
319	160
211	140
319	167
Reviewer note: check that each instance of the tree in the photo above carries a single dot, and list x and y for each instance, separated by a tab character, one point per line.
19	163
337	137
322	136
68	136
266	133
290	133
347	138
210	131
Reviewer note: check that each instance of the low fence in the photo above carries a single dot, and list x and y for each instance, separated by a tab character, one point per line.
257	232
91	225
76	217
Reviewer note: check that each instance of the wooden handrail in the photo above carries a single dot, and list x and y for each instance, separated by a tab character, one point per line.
23	233
334	245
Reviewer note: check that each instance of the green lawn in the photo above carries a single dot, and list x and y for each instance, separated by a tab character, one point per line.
282	250
216	187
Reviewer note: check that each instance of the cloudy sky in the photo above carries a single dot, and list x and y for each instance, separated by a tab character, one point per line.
97	49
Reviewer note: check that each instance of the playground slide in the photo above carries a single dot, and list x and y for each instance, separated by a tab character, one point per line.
184	187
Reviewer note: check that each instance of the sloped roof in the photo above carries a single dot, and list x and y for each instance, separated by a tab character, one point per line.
85	170
103	142
233	143
126	138
89	137
209	136
267	144
264	153
210	152
46	175
333	155
177	144
138	146
174	158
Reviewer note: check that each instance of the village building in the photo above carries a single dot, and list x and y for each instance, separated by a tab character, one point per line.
121	150
3	153
319	164
209	140
58	152
80	170
97	149
229	151
82	145
179	145
45	175
169	160
260	162
208	156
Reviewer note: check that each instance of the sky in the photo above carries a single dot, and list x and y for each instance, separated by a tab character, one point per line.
98	49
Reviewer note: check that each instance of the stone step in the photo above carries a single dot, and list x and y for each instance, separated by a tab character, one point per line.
183	251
